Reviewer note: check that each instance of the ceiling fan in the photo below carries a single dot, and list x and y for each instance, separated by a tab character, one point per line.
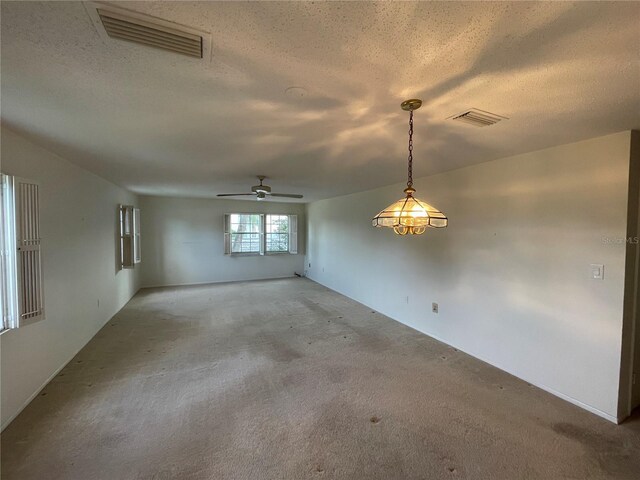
261	192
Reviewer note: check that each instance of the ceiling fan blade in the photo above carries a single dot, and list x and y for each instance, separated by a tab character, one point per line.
286	195
233	194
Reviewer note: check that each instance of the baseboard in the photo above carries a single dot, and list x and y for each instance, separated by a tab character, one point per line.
567	398
193	284
53	375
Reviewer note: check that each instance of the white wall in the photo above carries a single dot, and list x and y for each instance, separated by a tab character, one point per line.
511	272
182	242
78	228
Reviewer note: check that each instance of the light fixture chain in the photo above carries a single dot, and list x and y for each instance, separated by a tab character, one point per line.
410	179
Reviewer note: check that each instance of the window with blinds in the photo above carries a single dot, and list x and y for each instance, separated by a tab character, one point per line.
22	297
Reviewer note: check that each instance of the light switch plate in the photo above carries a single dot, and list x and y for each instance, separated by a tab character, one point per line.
597	271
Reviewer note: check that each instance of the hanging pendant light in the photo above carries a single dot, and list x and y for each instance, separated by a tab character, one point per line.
410	216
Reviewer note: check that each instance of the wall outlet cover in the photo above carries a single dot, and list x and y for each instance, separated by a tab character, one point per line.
434	307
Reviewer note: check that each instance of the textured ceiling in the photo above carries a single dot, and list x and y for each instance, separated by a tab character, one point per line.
160	123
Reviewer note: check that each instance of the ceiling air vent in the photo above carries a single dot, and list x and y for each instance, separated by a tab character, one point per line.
146	30
478	118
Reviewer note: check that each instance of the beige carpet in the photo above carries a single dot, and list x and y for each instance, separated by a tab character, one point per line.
285	379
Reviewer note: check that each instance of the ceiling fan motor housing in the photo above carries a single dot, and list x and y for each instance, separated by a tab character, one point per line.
261	188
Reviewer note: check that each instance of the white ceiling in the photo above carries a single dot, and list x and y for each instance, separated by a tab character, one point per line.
160	123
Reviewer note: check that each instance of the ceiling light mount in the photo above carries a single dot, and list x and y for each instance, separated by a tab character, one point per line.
261	188
296	92
411	104
410	216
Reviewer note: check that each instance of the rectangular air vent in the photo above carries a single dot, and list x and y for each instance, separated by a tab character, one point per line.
478	118
150	33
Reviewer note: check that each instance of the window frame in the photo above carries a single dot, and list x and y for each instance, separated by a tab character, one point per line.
260	234
292	240
266	234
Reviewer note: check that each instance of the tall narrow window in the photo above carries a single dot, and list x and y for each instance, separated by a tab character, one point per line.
21	298
126	236
129	245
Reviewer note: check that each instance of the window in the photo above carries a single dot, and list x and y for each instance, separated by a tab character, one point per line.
21	295
277	231
256	233
129	220
245	233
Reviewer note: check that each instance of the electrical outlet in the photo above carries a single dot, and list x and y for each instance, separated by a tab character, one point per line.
407	299
309	265
434	307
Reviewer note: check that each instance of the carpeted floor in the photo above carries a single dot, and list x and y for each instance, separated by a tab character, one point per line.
284	379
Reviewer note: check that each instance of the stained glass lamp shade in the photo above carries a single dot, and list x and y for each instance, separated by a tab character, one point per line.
410	216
